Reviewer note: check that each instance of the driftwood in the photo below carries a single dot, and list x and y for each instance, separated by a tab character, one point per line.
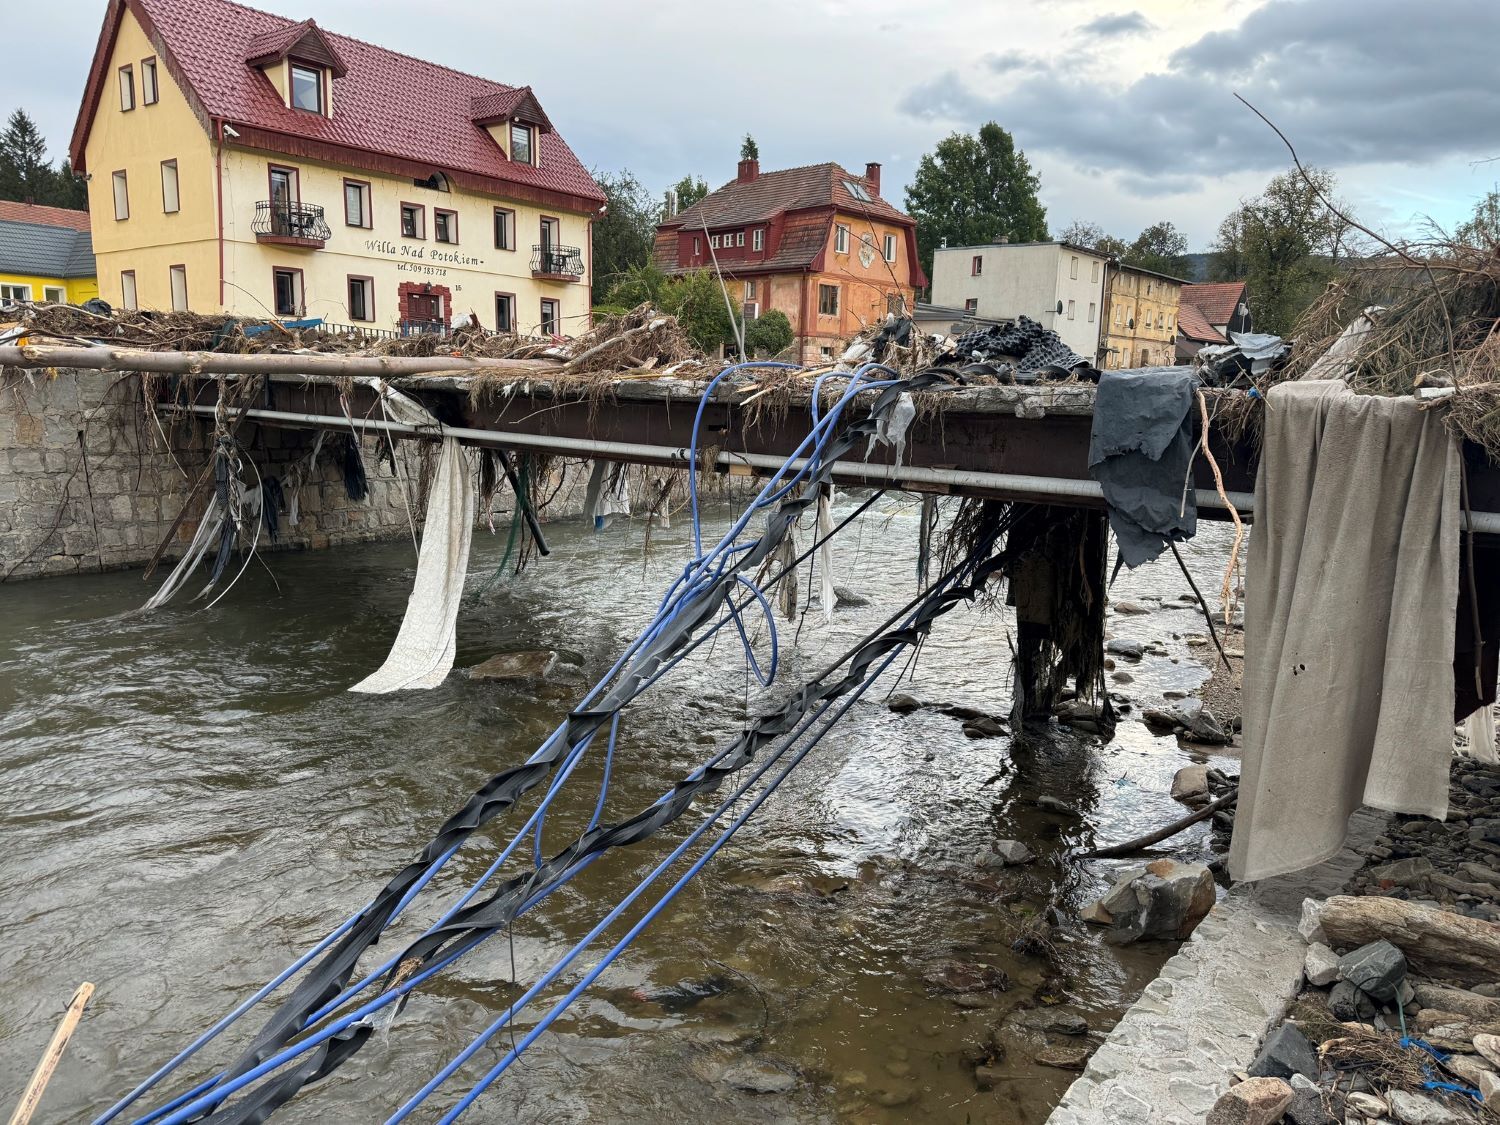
1129	847
1437	943
43	1073
259	363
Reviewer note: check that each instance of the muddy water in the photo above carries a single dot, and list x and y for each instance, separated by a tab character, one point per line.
193	798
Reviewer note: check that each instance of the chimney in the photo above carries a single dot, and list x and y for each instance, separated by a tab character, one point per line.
872	177
749	170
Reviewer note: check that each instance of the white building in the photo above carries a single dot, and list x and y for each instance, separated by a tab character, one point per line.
1059	285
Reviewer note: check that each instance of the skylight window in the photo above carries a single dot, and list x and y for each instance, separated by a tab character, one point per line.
858	191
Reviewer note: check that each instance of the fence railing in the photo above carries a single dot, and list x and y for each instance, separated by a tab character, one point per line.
281	218
557	261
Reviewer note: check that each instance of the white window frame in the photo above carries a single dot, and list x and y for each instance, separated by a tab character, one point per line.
510	310
362	193
366	286
171	188
291	88
299	297
55	294
451	223
752	310
1072	306
177	284
10	294
150	88
1073	267
840	239
1093	309
505	236
121	184
127	88
889	247
750	290
758	240
556	329
1094	273
739	238
530	134
129	296
713	242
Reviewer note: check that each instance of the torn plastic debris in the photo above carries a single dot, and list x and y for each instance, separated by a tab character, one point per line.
1249	355
892	426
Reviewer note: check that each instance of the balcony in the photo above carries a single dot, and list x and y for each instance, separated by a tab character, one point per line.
284	223
557	263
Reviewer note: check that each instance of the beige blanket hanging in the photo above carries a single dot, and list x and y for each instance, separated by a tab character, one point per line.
1352	583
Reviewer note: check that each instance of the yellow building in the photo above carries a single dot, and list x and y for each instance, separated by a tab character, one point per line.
245	163
45	254
1140	322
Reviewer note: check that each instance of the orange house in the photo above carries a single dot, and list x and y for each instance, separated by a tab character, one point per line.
817	243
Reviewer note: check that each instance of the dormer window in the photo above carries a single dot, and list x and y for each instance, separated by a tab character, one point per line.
520	143
307	88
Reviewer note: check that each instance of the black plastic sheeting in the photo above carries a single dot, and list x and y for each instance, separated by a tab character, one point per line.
1023	352
330	975
1140	451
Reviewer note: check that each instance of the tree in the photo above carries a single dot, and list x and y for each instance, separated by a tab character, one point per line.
623	237
975	189
1285	243
639	285
689	190
1482	229
768	335
697	302
1160	247
70	189
749	150
24	170
1091	236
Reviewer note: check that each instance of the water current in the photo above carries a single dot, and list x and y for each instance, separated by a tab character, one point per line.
193	798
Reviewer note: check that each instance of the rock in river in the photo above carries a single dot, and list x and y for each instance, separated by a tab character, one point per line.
516	667
1377	969
1130	650
1256	1101
1164	899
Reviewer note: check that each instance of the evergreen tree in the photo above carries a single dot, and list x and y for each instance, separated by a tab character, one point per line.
749	150
24	170
975	189
69	189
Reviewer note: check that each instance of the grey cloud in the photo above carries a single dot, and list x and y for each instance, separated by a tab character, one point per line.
1117	25
1007	62
1385	84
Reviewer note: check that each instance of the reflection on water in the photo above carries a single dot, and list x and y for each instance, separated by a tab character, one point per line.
194	797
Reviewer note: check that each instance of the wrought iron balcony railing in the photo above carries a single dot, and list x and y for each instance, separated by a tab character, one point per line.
424	328
557	261
298	223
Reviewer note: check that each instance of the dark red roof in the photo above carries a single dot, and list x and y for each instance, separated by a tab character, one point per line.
304	39
389	111
791	189
1195	326
1216	301
43	216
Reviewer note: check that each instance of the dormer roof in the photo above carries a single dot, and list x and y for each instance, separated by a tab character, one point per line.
304	42
391	112
519	104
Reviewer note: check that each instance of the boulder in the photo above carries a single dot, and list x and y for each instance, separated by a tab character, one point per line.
1367	1104
1488	1047
1377	969
1471	1068
1190	785
1489	1090
1122	677
842	595
1064	1058
515	667
1410	873
984	727
1130	609
1013	853
1459	1000
1321	966
1165	899
1437	943
1255	1101
959	977
1052	1020
1419	1109
1307	1106
1310	925
903	704
1285	1052
1349	1004
1130	650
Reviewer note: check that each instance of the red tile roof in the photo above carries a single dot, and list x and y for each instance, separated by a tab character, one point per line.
42	216
390	111
1217	301
1195	326
273	46
791	189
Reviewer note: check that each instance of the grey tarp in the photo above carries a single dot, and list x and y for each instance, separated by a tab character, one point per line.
1139	452
1352	581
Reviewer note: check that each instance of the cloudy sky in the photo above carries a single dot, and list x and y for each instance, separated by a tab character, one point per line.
1125	109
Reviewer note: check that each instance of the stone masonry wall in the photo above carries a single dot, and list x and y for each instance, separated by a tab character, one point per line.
88	483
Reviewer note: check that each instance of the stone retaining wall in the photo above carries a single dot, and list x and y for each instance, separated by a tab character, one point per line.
87	482
1172	1054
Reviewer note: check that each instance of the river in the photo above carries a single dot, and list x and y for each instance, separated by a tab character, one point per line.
193	798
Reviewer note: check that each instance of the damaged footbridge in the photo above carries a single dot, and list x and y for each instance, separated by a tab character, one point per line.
1017	453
